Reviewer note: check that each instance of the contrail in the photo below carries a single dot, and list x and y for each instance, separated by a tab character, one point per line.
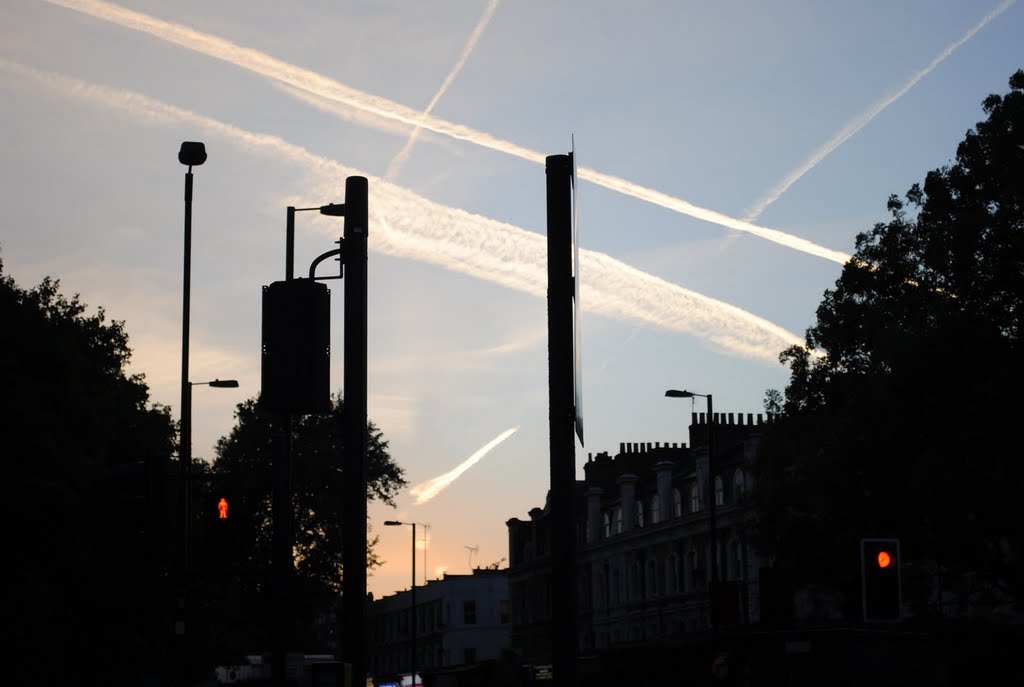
310	81
432	487
408	225
865	118
399	160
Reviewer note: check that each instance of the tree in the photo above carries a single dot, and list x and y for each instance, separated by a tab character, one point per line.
243	466
900	413
79	434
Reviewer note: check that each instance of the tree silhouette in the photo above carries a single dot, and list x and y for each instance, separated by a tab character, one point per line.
243	468
900	413
83	448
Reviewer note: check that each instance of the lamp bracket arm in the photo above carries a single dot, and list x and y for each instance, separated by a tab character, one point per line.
340	252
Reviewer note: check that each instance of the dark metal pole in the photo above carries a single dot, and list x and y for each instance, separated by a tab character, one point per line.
185	428
281	563
412	604
354	430
561	420
712	531
289	245
185	437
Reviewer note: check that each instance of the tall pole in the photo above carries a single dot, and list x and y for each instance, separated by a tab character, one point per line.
412	615
354	430
561	421
712	531
185	427
281	563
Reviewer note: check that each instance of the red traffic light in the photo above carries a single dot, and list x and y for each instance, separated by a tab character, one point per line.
222	509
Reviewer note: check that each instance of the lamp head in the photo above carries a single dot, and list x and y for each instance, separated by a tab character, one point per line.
333	209
393	523
225	383
192	153
675	393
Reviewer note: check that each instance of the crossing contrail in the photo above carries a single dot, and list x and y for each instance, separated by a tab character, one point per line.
399	160
310	81
865	118
408	225
425	491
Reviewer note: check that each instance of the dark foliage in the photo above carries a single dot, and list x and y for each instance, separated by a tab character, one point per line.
901	413
243	469
83	449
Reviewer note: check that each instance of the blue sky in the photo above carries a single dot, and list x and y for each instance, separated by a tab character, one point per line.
702	108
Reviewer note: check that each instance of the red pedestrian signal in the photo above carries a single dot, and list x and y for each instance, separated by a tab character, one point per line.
881	583
222	509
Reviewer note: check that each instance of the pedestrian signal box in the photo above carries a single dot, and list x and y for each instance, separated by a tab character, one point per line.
881	579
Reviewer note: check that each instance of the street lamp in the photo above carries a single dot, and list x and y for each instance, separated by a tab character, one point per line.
192	154
712	531
412	602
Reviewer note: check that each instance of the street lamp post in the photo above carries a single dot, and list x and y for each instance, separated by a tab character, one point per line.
712	528
192	154
412	602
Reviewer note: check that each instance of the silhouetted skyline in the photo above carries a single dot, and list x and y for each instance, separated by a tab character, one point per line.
710	106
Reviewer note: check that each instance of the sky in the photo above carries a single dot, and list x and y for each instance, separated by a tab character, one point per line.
728	154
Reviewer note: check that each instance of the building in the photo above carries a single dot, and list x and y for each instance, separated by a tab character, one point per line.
462	623
644	546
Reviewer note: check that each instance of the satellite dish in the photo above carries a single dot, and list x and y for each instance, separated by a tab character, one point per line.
577	360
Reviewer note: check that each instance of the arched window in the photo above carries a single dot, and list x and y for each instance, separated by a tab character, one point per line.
739	485
618	519
677	504
719	491
694	498
638	514
607	517
655	510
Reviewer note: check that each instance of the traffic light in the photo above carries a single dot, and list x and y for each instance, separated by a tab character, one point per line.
296	354
881	583
224	526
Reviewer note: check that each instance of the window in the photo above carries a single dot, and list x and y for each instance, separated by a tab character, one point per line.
672	568
655	510
719	492
735	559
468	655
504	613
652	580
638	514
618	520
469	612
694	498
677	504
739	482
607	524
